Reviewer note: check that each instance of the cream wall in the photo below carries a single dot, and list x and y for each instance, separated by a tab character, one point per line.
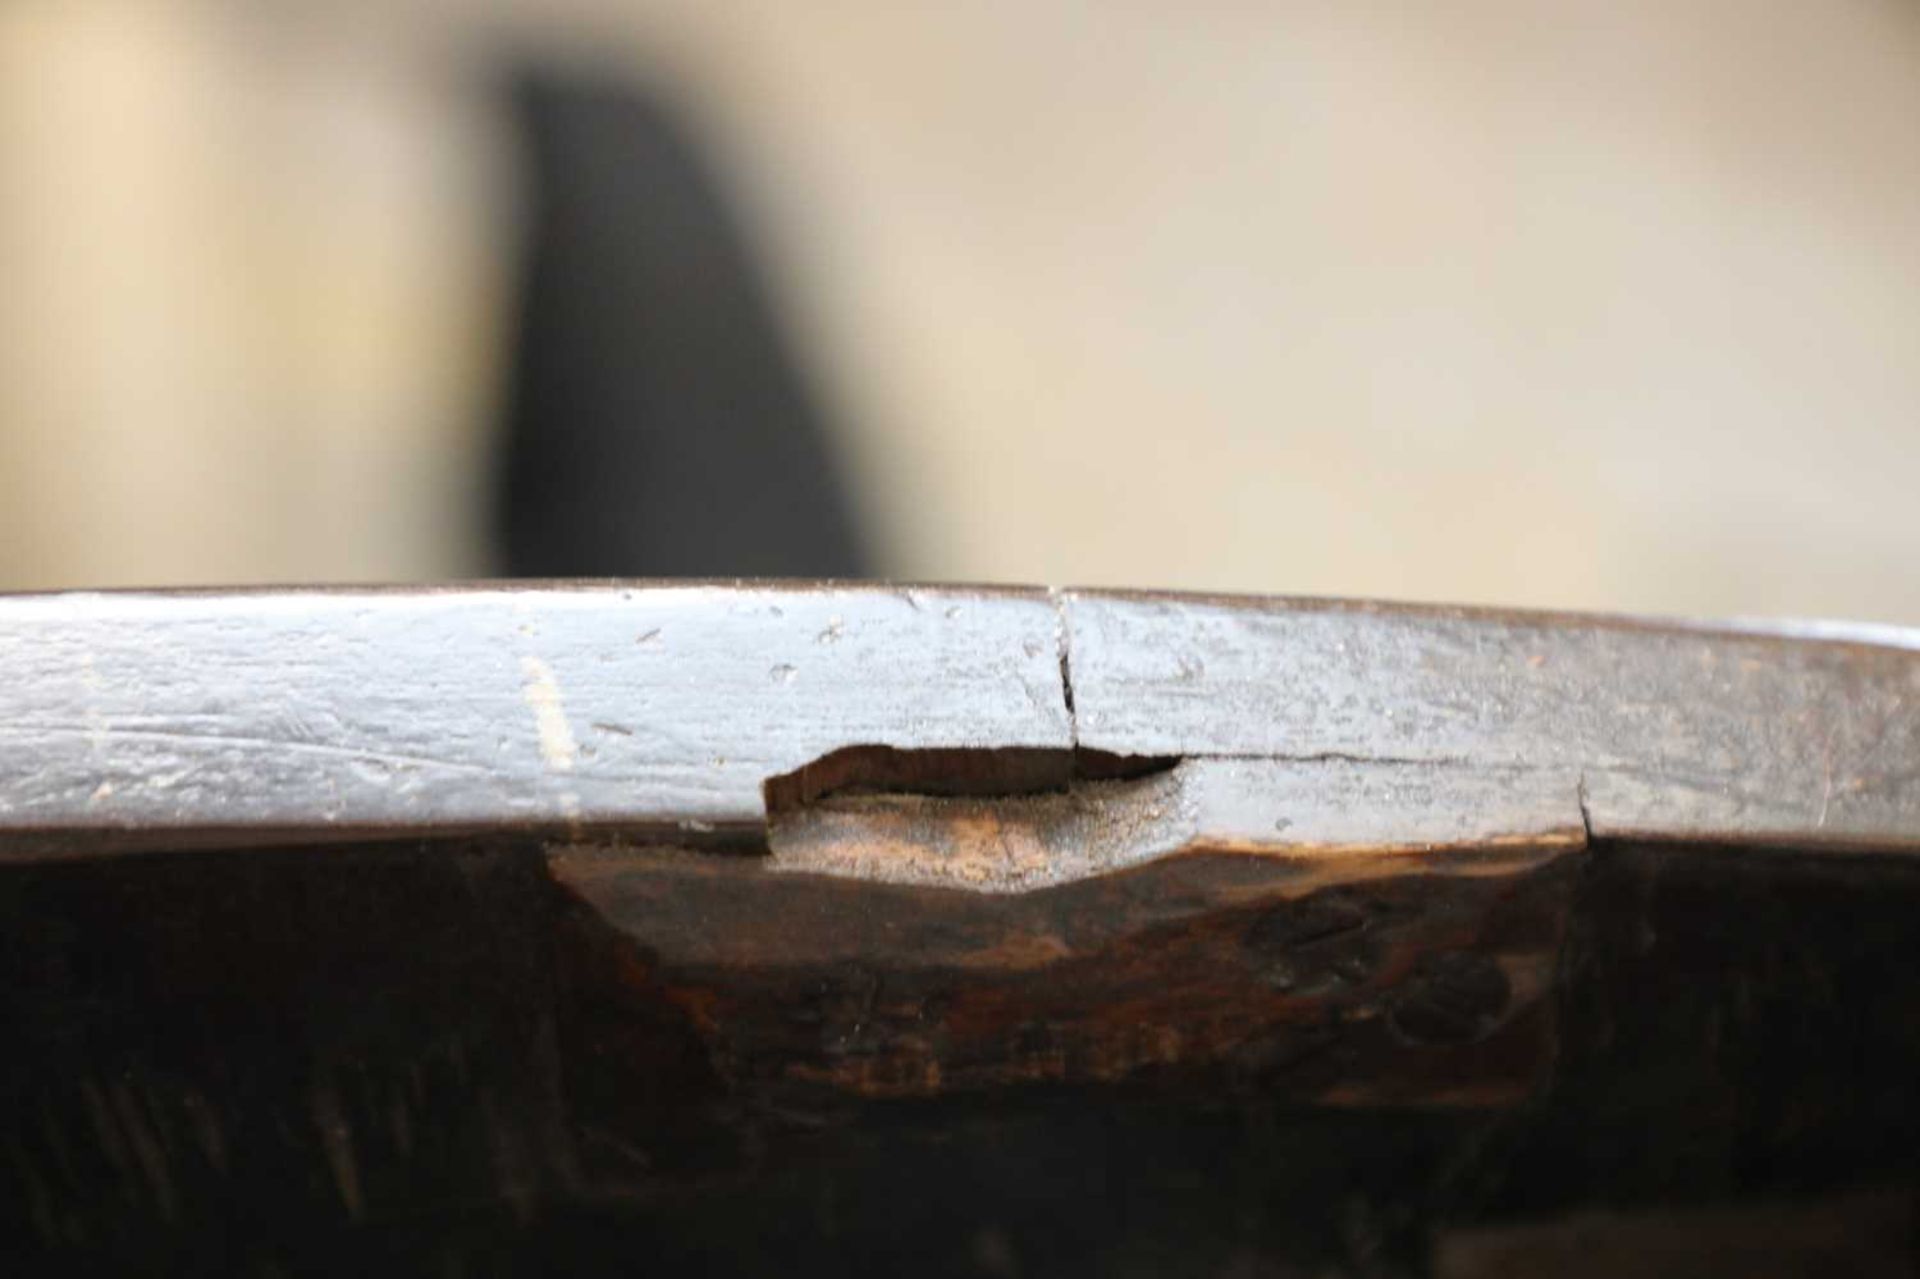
252	300
1592	305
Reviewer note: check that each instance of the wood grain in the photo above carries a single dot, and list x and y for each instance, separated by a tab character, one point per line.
544	926
141	720
210	718
1357	979
1791	735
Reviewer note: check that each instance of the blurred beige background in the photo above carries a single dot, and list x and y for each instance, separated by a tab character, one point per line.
1602	305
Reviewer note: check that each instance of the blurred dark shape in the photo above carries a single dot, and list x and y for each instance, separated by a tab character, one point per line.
657	423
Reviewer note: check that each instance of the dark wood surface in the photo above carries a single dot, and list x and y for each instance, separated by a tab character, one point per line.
974	932
191	719
482	1055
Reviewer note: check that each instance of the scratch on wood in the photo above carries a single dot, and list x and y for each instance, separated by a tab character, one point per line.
542	694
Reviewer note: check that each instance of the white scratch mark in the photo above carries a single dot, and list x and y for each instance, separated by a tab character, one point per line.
542	693
96	689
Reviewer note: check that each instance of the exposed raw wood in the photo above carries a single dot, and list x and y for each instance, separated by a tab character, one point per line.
1358	978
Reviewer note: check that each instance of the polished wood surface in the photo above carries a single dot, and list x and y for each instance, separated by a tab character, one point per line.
189	719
